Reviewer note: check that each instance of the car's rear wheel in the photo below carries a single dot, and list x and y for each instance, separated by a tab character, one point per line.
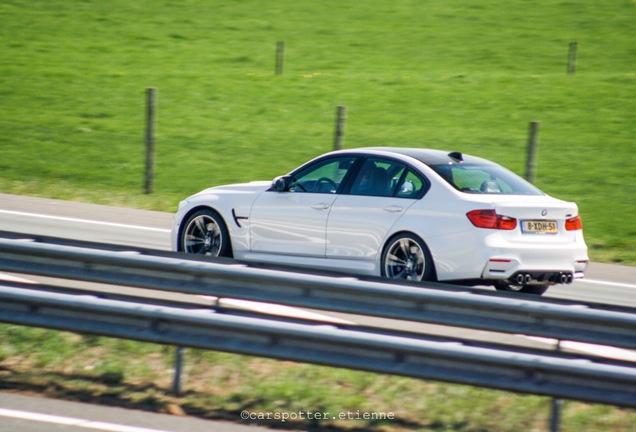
536	289
205	233
406	256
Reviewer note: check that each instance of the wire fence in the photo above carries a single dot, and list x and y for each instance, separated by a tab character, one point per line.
228	131
94	136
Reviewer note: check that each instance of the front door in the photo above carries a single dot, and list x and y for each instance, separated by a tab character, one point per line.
294	222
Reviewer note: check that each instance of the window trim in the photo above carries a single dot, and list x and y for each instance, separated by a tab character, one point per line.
323	161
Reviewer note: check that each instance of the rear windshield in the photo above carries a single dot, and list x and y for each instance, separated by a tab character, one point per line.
485	179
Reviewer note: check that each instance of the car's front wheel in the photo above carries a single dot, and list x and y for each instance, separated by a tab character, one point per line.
205	233
406	256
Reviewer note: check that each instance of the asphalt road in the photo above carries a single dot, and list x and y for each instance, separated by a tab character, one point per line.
22	413
604	283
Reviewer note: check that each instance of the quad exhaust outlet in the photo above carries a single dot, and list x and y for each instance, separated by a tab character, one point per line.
527	278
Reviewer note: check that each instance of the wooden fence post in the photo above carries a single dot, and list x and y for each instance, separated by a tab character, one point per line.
280	57
572	57
533	146
151	100
341	120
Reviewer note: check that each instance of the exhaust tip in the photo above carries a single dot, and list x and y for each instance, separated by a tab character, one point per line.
523	278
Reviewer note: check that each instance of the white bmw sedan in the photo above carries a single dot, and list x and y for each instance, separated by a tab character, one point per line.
416	214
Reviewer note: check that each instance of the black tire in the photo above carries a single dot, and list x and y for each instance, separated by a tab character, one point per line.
406	256
205	233
535	289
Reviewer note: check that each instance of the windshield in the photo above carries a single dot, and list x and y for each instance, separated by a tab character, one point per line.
484	179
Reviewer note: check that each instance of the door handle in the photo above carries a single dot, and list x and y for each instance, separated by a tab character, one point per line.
394	209
320	206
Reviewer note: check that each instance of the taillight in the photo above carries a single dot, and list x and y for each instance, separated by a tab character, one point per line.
491	220
573	224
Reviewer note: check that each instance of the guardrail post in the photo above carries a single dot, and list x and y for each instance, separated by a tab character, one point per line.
178	368
555	409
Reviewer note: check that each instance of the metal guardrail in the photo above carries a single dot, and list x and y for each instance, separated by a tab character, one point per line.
329	345
421	304
556	374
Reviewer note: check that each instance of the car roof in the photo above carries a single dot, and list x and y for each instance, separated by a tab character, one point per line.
426	156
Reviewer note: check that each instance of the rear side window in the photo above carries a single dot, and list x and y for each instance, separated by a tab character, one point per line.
411	186
387	178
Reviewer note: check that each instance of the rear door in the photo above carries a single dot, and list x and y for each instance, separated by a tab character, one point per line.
360	220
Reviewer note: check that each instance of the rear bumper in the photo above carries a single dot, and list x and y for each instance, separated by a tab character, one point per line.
559	265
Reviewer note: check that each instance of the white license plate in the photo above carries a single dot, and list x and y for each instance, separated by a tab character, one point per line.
540	227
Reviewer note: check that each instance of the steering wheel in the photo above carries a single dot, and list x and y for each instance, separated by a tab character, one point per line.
327	181
299	186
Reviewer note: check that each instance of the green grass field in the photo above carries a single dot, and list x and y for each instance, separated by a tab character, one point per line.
459	75
218	385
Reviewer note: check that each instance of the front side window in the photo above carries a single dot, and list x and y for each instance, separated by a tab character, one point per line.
484	179
322	176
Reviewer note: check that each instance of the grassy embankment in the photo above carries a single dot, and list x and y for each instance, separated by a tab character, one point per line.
466	76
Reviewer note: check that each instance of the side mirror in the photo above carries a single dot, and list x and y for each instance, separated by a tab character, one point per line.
281	184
